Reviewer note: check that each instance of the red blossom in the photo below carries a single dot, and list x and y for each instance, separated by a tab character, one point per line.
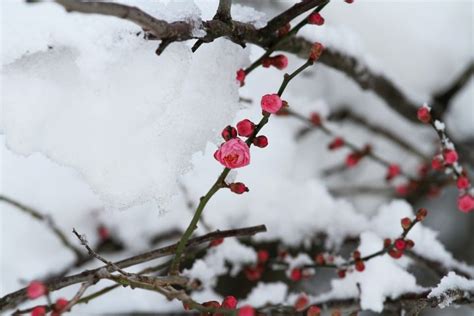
353	159
349	1
229	302
356	254
238	187
271	103
234	153
392	171
253	273
450	156
261	141
387	242
316	18
216	242
301	302
410	244
406	222
240	76
280	62
466	203
462	183
424	114
38	311
341	273
245	128
359	265
36	289
400	244
296	274
395	253
316	51
336	143
103	232
229	132
313	311
437	163
60	305
246	310
262	256
315	118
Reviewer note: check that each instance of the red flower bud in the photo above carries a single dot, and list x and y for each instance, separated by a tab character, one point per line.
211	304
216	242
450	156
424	114
410	244
229	132
103	232
337	142
387	242
246	311
315	118
316	18
359	265
402	189
421	214
349	1
406	222
316	51
319	259
229	302
245	128
261	141
301	302
466	203
392	171
60	305
262	256
341	273
253	273
280	62
240	76
38	311
313	311
400	244
353	159
296	274
394	253
36	289
437	163
356	254
462	183
238	187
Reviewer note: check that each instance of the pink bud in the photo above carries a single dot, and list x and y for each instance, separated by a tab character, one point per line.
238	187
437	163
262	256
246	310
313	311
450	156
216	242
280	62
234	153
229	302
462	183
229	132
240	76
424	114
271	103
38	311
296	274
352	159
466	203
261	141
36	289
315	118
301	302
316	18
316	51
60	305
392	171
245	128
337	142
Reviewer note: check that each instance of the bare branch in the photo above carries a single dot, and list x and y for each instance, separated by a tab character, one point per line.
223	10
14	299
48	221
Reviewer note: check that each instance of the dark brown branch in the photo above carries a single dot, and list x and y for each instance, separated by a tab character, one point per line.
223	10
49	222
445	96
282	19
14	299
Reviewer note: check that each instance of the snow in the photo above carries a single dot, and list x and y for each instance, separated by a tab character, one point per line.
451	282
131	126
382	278
138	123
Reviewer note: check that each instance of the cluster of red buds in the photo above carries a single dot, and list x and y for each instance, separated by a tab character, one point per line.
229	303
447	160
37	289
254	273
279	61
302	302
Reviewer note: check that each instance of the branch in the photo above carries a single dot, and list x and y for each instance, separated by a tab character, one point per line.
49	222
223	10
14	299
445	96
